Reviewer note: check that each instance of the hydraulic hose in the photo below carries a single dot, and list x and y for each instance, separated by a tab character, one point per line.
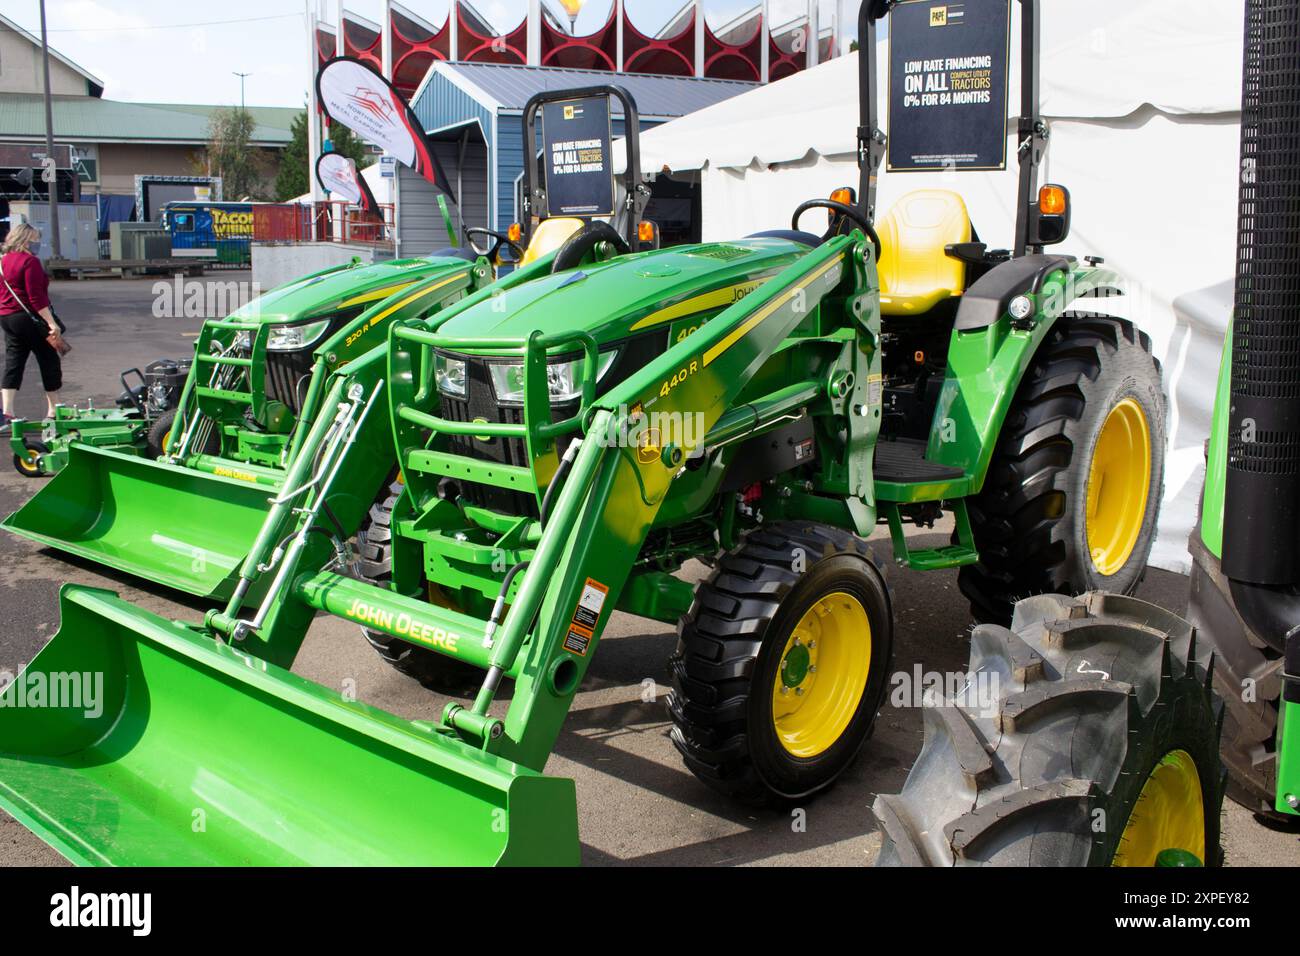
562	472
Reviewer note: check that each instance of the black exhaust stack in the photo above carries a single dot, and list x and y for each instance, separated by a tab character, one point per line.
1261	535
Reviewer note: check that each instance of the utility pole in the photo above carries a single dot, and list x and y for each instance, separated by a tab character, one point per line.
242	77
51	186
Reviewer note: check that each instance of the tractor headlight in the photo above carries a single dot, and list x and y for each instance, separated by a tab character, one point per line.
563	378
1021	308
292	338
450	375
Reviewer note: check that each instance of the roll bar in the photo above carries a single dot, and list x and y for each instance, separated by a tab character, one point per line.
1032	133
535	200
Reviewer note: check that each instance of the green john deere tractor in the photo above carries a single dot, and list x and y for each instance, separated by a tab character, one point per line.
253	390
759	405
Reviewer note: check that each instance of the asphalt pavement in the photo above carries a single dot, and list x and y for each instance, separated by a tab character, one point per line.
637	804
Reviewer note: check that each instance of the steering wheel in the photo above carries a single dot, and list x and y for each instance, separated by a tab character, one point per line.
587	238
842	209
499	239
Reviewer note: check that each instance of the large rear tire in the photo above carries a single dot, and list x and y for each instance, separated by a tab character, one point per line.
1096	745
434	671
781	664
1248	678
1073	489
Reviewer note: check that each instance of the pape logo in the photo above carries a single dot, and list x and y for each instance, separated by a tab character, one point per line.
75	909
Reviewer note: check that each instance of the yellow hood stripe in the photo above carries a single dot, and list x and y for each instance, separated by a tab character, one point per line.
376	295
754	320
700	303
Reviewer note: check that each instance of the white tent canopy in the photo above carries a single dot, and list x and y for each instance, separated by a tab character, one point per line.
1143	100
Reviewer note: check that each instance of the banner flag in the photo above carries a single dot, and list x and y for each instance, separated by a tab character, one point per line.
338	174
353	93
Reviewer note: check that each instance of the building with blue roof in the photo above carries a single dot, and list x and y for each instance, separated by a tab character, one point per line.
474	114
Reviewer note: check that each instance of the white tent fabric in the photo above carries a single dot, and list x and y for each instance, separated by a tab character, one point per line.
1143	100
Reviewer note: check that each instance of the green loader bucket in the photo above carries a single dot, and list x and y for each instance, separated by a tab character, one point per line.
179	527
191	754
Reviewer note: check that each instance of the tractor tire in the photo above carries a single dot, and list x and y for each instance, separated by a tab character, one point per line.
159	433
374	564
1087	407
1092	741
29	465
1242	660
752	716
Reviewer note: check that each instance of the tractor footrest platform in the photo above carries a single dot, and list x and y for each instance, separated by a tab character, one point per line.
903	461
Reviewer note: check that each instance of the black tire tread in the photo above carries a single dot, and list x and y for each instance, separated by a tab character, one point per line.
1086	688
719	640
1020	527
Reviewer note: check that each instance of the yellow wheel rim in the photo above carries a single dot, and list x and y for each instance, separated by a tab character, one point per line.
31	462
1119	480
822	675
1169	814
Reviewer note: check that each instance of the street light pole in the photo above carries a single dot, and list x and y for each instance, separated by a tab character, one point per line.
242	77
51	187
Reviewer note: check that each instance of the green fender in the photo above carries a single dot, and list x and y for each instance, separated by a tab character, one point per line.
985	369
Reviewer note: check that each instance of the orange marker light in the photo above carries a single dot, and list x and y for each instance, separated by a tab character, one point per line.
843	195
1051	201
515	232
645	231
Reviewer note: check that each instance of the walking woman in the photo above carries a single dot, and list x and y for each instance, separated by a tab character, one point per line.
30	326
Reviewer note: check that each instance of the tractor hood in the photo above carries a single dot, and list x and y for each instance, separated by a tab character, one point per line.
631	294
352	287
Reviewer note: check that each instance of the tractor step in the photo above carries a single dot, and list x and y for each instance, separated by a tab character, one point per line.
903	461
933	559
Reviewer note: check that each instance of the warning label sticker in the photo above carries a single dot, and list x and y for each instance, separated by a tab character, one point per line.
578	640
590	604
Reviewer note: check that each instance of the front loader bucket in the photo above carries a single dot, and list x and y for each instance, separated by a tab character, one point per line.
179	527
191	754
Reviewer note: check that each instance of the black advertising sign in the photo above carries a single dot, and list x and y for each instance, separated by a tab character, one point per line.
576	150
948	77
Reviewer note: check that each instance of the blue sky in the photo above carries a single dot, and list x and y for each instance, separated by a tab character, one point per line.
164	51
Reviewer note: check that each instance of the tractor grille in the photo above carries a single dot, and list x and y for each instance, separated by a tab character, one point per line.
284	372
480	404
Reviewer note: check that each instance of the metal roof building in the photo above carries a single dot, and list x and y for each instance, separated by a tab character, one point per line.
473	112
91	119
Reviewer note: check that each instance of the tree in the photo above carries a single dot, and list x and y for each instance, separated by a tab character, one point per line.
230	153
294	166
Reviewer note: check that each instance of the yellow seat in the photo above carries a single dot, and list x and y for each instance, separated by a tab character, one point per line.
549	235
915	273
